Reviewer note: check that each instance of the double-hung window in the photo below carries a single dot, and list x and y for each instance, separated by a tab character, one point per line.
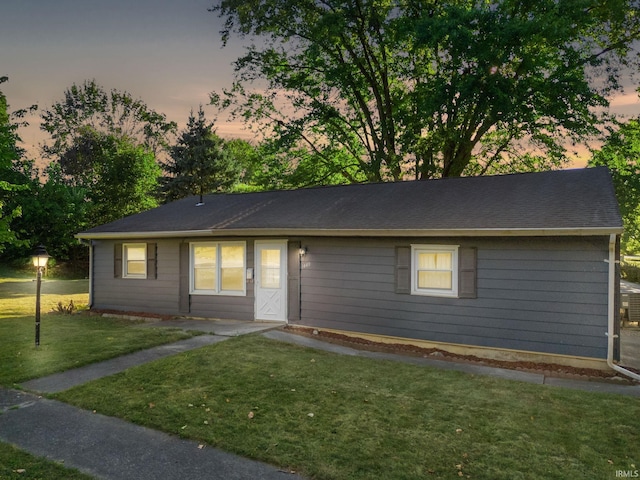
134	256
434	270
218	268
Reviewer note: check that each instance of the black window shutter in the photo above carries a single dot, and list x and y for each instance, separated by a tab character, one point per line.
152	263
183	287
403	270
467	266
117	260
293	293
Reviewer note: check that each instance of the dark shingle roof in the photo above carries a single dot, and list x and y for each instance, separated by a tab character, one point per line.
559	202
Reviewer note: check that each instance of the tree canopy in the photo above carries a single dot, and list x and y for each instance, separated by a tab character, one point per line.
115	112
621	154
52	213
125	179
105	144
199	162
10	153
427	88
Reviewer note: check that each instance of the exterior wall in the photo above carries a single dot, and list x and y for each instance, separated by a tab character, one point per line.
159	295
536	294
162	294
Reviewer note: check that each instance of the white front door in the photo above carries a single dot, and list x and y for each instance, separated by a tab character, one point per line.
271	280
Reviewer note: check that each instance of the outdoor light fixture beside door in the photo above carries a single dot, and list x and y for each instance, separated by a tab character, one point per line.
40	258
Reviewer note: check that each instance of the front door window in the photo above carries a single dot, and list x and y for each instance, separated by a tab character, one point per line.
271	285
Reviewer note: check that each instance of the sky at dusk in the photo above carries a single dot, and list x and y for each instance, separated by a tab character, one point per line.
167	53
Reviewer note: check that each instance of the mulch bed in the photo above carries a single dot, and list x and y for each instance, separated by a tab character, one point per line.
546	369
140	315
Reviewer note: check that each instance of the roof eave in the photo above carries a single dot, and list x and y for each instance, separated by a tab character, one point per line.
301	232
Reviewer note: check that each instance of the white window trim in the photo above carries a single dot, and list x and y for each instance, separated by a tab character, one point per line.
125	263
218	290
434	292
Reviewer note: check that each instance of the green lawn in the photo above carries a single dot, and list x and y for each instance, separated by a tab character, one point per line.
323	415
18	295
335	417
67	341
18	465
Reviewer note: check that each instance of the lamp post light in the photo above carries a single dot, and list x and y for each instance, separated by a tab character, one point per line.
40	258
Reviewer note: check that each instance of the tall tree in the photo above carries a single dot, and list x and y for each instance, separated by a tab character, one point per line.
621	153
119	177
266	167
128	181
105	145
114	113
431	88
54	207
199	162
52	213
10	153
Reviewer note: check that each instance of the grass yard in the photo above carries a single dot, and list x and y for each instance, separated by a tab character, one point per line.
18	295
69	341
66	341
335	417
18	465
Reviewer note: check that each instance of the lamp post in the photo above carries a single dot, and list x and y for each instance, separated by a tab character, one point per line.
40	258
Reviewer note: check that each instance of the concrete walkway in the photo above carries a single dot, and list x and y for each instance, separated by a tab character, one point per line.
537	378
113	449
65	380
110	448
221	330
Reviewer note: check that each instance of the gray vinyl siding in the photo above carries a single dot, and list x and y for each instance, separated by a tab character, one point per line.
161	295
536	294
154	295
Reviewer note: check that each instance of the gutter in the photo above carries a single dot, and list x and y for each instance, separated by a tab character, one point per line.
327	232
611	336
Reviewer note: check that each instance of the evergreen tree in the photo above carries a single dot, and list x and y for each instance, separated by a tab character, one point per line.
199	162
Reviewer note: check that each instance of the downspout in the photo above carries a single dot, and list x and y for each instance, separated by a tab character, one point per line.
89	243
90	274
611	336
